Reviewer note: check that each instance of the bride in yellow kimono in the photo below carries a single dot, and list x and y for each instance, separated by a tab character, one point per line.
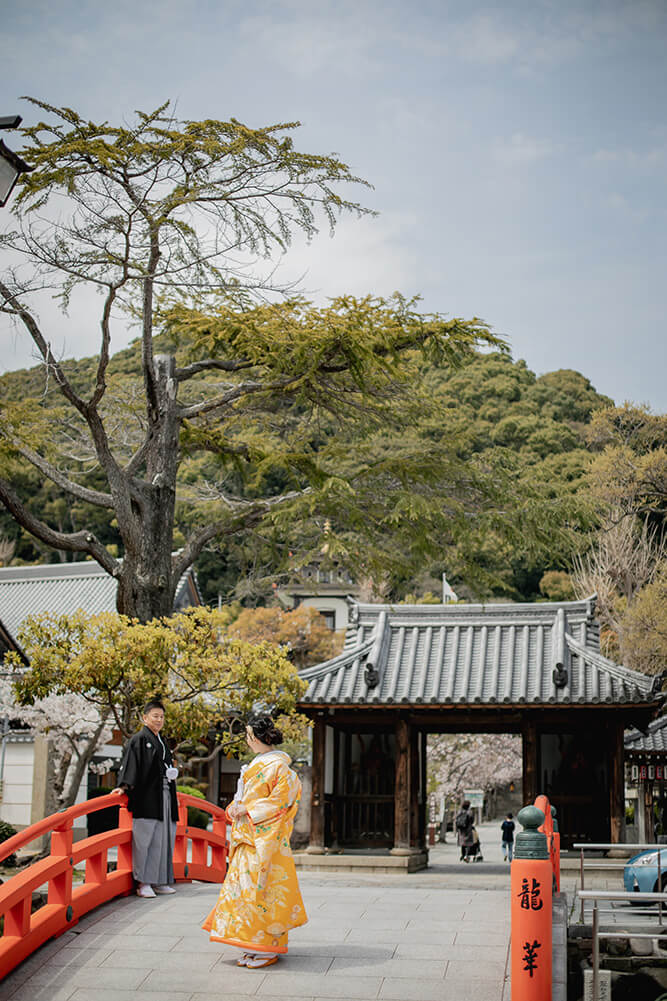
260	899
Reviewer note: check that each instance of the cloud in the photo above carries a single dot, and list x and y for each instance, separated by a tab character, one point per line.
306	40
648	159
365	256
626	208
523	150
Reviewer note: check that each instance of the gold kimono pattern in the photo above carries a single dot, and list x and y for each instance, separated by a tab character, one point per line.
260	899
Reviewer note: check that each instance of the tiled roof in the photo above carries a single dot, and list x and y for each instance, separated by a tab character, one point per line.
543	653
63	588
654	740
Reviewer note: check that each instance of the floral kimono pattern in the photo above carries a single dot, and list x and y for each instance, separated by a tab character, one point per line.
260	899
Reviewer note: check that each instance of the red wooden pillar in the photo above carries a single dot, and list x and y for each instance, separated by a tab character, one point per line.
60	888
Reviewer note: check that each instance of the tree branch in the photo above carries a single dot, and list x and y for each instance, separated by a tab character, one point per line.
70	541
205	364
256	511
96	497
45	350
244	389
100	384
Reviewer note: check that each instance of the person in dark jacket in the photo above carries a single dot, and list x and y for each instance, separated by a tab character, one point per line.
465	831
507	827
148	776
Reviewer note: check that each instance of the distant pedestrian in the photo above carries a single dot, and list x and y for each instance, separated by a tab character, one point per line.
465	831
507	827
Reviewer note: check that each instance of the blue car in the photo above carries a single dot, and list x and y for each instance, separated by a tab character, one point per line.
641	875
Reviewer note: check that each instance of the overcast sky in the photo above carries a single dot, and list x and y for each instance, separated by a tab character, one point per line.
518	151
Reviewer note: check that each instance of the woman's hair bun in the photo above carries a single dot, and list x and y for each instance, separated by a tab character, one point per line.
265	730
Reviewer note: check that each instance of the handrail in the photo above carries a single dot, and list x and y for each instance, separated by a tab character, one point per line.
632	849
198	854
596	933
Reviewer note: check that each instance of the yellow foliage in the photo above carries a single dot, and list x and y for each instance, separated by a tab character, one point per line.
208	680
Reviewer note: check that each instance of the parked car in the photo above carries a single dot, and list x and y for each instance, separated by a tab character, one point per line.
641	874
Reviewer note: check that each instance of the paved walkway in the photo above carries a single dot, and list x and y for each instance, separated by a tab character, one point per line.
439	935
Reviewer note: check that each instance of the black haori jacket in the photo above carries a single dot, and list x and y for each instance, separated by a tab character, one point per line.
142	774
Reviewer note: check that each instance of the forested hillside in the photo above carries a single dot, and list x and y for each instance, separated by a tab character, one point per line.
523	438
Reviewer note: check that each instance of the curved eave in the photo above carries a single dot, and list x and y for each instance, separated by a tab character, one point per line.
502	705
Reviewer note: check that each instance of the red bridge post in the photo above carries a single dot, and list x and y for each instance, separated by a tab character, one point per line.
531	903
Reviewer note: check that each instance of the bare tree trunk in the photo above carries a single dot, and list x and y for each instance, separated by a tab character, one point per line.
145	584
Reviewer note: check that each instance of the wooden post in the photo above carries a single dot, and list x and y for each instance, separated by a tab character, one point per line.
617	785
316	843
424	803
530	783
402	789
415	767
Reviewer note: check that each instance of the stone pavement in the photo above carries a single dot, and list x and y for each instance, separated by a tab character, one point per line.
433	936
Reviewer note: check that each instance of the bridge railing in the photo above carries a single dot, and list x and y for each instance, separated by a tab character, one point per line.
550	829
198	854
535	877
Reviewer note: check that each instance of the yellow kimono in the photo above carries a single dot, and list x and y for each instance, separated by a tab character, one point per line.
260	899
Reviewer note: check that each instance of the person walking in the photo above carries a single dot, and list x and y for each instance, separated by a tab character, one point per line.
260	900
465	831
148	776
507	827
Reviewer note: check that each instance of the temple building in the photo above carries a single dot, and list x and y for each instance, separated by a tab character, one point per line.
410	670
646	780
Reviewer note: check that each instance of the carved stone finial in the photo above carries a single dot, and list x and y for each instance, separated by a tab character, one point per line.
531	843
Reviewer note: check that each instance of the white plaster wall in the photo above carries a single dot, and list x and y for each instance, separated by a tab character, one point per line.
17	785
337	605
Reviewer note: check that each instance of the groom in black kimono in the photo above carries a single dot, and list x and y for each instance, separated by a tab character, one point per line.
148	776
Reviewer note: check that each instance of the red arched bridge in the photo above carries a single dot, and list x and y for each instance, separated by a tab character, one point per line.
198	854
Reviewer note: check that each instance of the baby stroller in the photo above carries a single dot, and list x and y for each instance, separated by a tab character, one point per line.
475	850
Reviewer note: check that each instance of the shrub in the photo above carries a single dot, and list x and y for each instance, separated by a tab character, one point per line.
196	818
7	832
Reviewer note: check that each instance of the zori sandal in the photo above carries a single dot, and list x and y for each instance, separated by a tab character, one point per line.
259	962
243	960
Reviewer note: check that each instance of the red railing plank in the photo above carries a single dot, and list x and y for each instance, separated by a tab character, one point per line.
67	903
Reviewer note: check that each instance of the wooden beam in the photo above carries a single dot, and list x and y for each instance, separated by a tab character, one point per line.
402	789
316	843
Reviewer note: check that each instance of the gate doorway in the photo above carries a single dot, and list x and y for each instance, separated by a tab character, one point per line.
532	670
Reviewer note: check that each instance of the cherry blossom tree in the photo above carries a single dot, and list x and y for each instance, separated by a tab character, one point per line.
75	729
461	761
